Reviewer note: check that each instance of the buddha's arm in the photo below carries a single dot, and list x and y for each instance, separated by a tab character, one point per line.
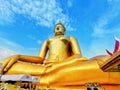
31	59
36	59
74	46
8	62
43	50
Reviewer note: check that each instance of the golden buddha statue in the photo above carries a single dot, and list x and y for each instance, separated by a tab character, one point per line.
64	67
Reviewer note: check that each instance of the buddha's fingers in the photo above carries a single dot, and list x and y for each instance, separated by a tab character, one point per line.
11	61
4	64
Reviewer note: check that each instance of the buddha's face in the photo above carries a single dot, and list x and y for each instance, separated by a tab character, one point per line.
59	29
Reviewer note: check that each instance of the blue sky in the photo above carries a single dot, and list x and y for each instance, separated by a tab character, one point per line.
25	24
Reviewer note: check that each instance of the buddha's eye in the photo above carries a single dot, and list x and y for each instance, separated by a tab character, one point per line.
57	28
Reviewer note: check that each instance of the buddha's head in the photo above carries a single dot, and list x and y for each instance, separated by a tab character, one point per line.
59	29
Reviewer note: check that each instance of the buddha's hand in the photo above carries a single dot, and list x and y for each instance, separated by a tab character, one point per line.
8	62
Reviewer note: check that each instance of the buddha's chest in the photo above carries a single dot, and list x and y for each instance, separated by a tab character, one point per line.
58	40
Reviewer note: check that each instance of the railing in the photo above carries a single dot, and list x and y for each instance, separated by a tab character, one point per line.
19	81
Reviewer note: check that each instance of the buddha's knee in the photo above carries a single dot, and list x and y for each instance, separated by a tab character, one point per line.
101	59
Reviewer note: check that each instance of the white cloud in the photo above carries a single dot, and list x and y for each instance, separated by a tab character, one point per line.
17	48
69	28
100	30
6	15
106	18
4	53
104	35
9	44
44	13
98	47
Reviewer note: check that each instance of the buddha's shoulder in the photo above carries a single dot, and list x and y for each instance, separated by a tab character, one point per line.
58	37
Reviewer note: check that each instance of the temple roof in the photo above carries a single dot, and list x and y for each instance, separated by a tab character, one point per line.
112	64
